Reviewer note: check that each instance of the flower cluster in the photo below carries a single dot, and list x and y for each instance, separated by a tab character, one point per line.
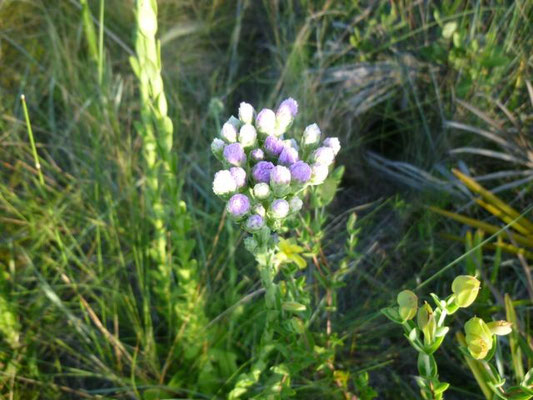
266	169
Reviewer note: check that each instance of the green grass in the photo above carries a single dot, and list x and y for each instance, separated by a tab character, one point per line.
80	316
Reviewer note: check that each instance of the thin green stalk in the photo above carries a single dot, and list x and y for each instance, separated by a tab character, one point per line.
101	44
88	27
266	345
30	134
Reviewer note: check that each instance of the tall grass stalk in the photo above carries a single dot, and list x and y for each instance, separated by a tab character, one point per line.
171	248
32	141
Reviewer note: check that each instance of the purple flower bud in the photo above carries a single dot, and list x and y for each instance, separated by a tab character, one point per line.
239	175
285	114
257	154
254	223
238	205
224	183
288	156
266	121
300	172
333	143
229	132
288	105
273	145
261	171
319	173
234	154
246	113
311	135
279	209
280	175
324	156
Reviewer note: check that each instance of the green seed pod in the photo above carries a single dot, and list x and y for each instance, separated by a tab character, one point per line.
465	288
293	306
500	328
426	322
408	304
478	338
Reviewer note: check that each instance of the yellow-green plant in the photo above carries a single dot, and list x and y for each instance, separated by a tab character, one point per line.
517	240
182	306
427	333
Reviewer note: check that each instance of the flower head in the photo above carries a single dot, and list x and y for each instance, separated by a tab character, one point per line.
261	171
285	114
273	146
234	154
246	113
333	143
238	205
257	154
288	156
247	135
266	121
289	106
224	183
280	175
324	156
279	209
290	252
229	132
217	146
239	175
311	135
300	172
261	191
319	173
254	223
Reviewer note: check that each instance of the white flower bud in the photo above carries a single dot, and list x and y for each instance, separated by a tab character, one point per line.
229	132
261	191
319	173
224	183
324	156
247	135
266	121
334	143
311	136
217	147
246	113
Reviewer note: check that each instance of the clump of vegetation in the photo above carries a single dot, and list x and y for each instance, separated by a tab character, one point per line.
122	275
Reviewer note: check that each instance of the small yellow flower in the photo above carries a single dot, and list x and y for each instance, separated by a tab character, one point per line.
289	252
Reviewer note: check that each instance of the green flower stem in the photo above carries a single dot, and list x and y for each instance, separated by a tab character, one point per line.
267	273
